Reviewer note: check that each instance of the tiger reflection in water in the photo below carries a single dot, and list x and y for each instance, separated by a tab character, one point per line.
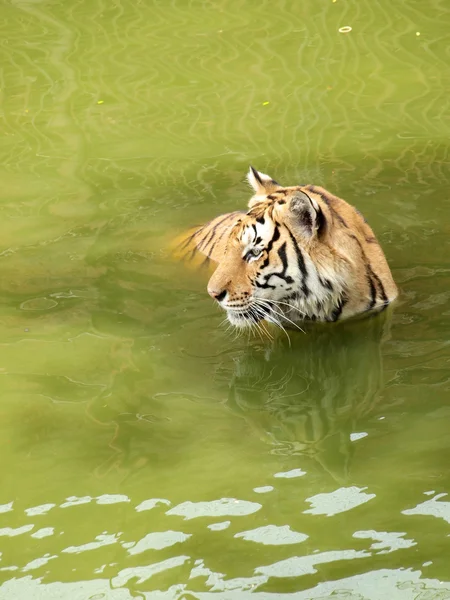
304	398
308	398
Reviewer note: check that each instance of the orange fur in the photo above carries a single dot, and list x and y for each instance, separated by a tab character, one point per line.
319	259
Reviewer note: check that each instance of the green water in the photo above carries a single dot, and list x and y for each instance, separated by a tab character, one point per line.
144	452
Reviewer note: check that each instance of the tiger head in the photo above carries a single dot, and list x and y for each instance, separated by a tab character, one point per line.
276	264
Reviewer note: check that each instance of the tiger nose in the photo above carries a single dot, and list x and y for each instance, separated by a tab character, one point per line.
217	294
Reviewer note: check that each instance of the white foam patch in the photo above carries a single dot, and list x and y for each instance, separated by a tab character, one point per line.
219	526
42	509
306	565
432	508
151	503
217	582
12	532
158	541
200	570
112	499
237	586
100	570
358	436
6	507
273	535
265	489
216	508
38	562
385	541
339	501
144	573
42	533
76	501
290	474
401	584
100	540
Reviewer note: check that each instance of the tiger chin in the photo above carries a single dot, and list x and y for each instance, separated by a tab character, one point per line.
298	253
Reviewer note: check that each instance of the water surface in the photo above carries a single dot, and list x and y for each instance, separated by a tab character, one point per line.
145	452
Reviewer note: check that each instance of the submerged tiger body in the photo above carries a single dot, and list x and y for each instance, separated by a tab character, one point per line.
298	253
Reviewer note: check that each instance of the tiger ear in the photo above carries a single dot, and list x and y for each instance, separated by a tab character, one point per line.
306	214
261	183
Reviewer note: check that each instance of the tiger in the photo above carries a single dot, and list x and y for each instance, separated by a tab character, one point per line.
298	253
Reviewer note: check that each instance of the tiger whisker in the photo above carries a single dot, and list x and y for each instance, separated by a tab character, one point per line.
266	304
258	331
271	318
266	331
233	332
258	327
229	330
238	334
274	320
255	329
256	314
289	320
287	304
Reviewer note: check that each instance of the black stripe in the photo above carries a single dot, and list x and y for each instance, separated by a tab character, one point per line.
210	233
337	311
371	276
256	174
327	199
275	238
211	248
373	290
283	257
301	263
321	222
380	286
306	220
208	237
182	245
326	283
205	240
264	286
